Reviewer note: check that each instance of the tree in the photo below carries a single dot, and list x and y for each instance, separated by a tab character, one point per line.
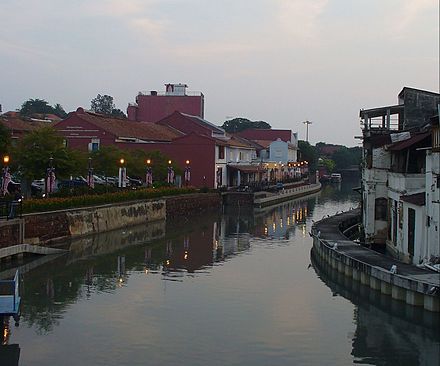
308	152
116	112
102	104
59	111
241	124
35	106
5	140
33	152
346	157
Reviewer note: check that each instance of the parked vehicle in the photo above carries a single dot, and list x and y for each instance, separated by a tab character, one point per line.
134	182
72	183
336	178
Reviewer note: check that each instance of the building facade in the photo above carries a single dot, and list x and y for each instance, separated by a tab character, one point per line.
153	106
399	176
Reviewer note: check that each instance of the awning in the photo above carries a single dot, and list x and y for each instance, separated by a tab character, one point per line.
246	168
402	145
417	199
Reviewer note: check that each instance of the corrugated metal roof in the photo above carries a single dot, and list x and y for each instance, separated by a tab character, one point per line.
402	145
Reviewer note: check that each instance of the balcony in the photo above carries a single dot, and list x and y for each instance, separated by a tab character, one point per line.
406	183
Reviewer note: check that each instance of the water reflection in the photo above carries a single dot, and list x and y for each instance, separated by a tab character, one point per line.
238	279
387	331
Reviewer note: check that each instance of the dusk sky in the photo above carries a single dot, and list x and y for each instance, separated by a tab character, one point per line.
281	61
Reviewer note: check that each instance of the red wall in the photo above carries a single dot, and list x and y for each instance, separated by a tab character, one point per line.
83	132
199	150
152	108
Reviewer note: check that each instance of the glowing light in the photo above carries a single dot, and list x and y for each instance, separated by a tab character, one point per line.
185	256
148	161
187	162
6	159
168	262
169	162
122	161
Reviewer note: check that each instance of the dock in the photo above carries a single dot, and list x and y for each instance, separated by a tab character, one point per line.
405	282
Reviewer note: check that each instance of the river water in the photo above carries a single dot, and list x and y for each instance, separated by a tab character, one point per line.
235	289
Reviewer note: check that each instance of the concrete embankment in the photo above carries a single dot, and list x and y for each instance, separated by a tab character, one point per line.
266	198
408	283
49	227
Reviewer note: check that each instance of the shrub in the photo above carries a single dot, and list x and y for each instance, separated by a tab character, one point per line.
61	203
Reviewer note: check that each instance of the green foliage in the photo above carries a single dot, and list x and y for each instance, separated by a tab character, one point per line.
241	124
61	203
40	106
5	140
104	104
329	164
106	161
33	152
59	111
116	112
346	157
309	153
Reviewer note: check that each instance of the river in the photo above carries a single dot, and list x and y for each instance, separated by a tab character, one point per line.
239	288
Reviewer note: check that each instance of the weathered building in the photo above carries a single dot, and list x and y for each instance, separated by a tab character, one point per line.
399	176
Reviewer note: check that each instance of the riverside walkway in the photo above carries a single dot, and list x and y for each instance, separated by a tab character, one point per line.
405	282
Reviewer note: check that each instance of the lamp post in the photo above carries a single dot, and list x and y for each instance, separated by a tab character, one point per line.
6	176
307	123
90	179
122	183
49	184
187	172
149	174
170	174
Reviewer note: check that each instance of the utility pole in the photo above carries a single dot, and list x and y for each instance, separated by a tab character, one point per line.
307	123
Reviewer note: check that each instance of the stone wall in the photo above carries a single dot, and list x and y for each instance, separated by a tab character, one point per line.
53	226
182	206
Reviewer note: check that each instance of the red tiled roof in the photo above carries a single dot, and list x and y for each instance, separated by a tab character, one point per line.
120	127
18	124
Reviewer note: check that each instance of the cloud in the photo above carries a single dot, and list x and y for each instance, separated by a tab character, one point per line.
300	18
409	15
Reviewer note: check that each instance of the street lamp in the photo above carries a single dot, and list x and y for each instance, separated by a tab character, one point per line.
90	180
307	123
122	183
149	174
187	173
50	178
170	174
6	177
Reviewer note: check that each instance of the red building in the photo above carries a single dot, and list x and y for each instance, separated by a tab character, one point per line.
154	106
84	130
257	134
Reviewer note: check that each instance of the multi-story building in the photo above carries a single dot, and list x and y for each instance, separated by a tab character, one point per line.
153	106
399	176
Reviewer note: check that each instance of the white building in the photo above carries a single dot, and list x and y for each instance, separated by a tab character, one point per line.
400	191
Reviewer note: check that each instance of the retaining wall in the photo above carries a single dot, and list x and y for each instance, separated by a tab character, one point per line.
415	286
53	226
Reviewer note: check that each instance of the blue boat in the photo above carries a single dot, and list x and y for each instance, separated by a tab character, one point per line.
10	297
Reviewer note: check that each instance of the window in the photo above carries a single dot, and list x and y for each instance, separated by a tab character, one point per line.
411	230
381	209
221	152
94	145
241	156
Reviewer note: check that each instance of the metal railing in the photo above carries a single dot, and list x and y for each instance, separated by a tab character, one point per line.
11	209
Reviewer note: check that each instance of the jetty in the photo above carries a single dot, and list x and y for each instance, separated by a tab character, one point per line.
405	282
271	196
